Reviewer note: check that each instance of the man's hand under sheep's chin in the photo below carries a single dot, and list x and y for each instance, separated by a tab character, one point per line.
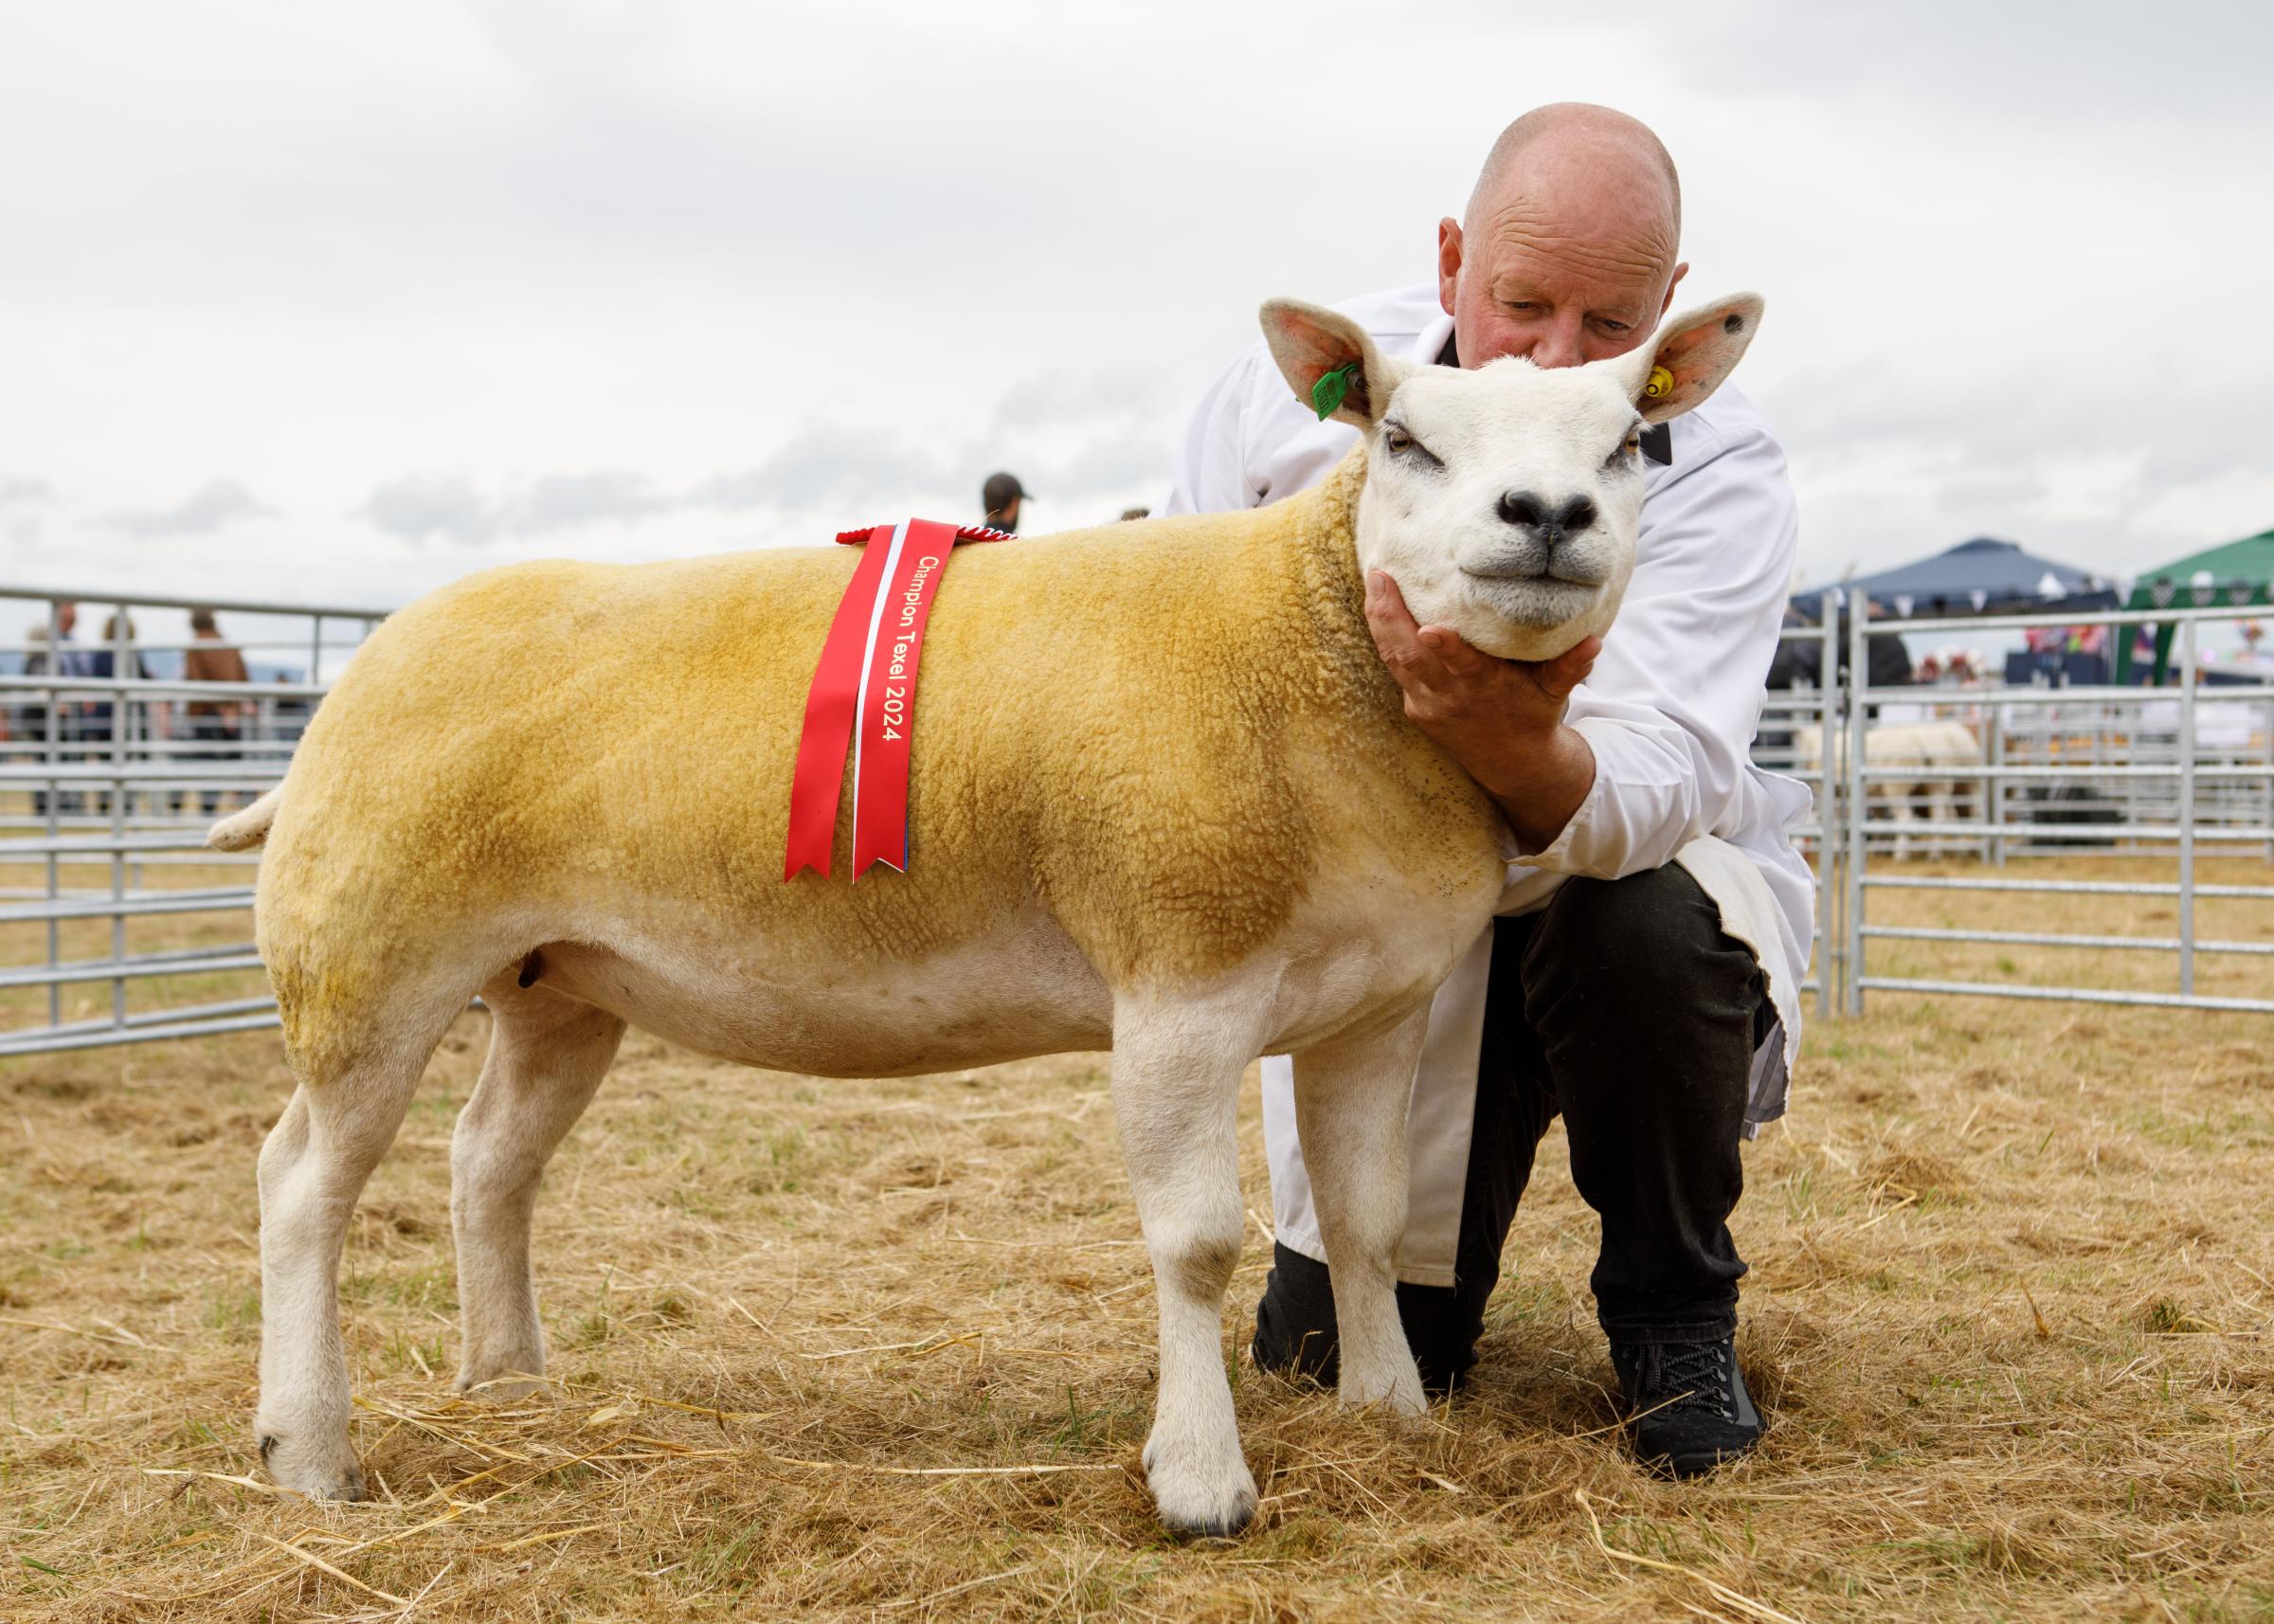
1501	720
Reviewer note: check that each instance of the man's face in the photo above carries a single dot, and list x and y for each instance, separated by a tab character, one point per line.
67	615
1560	287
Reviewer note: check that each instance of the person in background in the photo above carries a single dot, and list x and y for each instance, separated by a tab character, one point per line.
1798	661
1887	661
216	726
104	662
1000	497
63	657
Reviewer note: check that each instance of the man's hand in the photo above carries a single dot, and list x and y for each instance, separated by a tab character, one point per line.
1501	720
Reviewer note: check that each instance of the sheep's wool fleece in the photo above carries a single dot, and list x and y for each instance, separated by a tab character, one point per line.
1135	727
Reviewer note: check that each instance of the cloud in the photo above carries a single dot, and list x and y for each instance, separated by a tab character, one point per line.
1967	497
2018	62
22	507
453	507
1052	399
1084	440
829	466
563	501
420	507
1085	458
1116	463
212	506
1088	442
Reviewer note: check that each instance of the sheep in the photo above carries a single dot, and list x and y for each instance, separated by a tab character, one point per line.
1163	801
1944	753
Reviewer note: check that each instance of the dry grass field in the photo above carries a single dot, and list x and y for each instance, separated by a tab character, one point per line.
883	1349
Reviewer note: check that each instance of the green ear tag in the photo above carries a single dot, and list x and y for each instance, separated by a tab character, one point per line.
1326	394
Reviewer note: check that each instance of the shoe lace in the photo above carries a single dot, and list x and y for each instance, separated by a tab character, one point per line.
1689	1376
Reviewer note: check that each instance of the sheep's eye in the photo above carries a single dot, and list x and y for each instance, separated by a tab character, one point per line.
1628	450
1399	441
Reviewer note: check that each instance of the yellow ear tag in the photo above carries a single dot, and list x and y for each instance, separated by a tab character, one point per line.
1660	385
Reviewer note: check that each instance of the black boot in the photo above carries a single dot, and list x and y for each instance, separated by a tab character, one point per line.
1691	1410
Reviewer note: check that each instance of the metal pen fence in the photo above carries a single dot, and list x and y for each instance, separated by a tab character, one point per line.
114	762
1800	729
2134	762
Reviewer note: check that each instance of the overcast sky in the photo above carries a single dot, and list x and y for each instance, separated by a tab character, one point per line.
335	303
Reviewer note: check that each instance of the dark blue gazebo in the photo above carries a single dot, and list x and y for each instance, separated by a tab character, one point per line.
1978	577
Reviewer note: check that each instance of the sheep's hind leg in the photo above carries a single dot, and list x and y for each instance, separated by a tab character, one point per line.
341	1120
1350	1105
1176	1097
548	1054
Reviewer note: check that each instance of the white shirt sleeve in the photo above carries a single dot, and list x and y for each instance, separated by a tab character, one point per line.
1675	698
1212	472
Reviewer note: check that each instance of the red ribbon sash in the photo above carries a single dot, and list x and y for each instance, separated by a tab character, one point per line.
888	699
864	691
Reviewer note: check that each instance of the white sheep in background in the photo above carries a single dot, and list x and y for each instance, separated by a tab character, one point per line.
1945	755
1164	800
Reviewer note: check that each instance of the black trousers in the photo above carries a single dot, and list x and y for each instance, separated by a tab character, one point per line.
1625	1007
211	729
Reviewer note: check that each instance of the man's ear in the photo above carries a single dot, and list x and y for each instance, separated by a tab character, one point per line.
1309	342
1687	362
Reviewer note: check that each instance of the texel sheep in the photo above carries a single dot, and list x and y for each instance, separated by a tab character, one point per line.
1943	755
1163	801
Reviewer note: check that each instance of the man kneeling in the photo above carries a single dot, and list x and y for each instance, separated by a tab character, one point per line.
1641	980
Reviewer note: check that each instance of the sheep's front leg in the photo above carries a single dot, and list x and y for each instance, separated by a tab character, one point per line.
1176	1096
1350	1105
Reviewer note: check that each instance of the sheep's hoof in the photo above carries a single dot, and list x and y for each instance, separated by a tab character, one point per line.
1200	1497
502	1381
1397	1389
318	1474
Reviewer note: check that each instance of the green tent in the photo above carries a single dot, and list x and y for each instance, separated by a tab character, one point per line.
2240	572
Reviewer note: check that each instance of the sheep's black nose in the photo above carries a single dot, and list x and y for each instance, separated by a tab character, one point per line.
1526	509
1522	507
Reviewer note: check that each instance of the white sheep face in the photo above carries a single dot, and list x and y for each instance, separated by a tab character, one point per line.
1504	501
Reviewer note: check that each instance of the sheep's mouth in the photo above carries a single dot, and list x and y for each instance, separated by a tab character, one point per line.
1534	600
1528	567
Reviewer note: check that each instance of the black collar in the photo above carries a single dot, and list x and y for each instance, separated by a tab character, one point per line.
1657	440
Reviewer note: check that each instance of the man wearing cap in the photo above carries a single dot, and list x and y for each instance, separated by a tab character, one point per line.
1642	981
1000	497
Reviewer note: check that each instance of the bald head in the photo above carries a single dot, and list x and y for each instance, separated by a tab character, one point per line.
1576	142
1570	247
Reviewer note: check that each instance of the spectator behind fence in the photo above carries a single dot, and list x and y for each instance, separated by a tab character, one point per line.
216	726
1886	661
1001	496
104	662
62	657
1798	664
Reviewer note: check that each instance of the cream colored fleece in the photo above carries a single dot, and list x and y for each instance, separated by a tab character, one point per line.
1160	731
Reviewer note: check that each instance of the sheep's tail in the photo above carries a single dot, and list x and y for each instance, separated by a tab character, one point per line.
242	831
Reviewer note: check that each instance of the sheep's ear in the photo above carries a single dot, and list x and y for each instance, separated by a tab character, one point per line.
1310	341
1687	362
